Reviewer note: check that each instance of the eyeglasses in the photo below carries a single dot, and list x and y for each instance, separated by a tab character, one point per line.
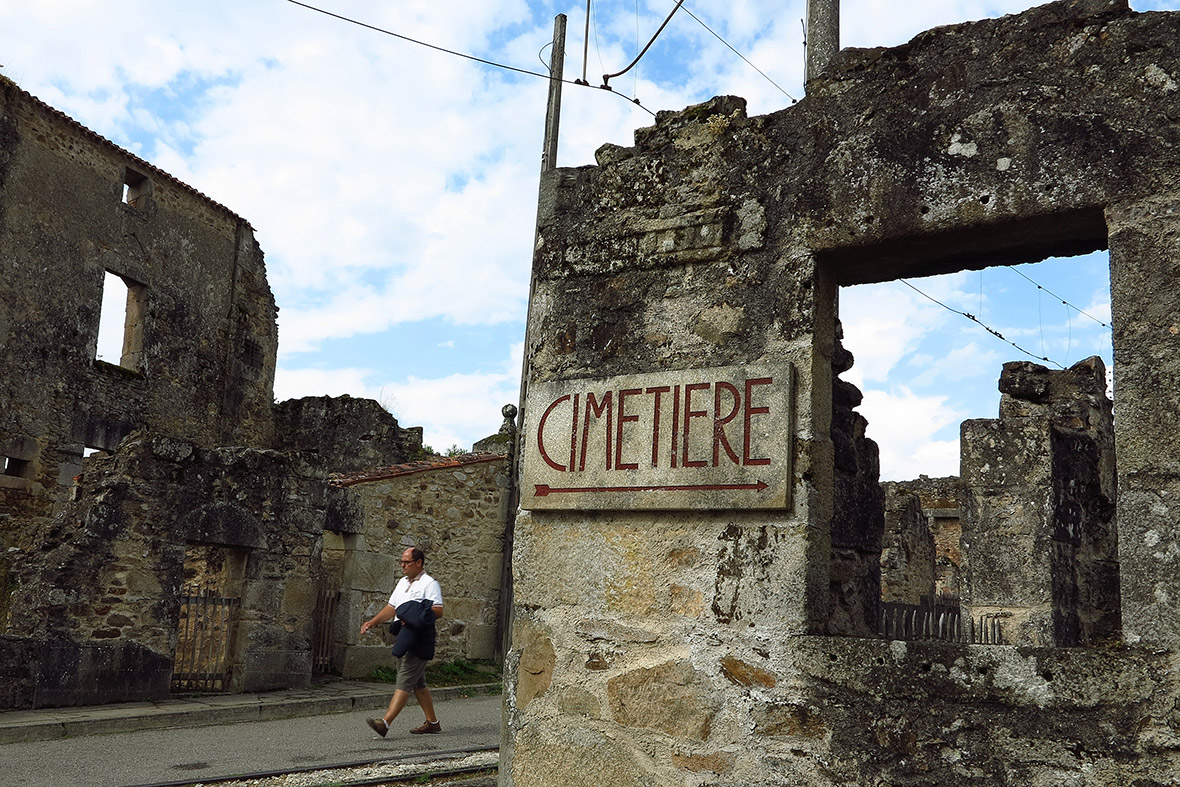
408	562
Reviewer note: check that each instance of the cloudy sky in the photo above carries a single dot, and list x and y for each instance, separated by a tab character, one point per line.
393	187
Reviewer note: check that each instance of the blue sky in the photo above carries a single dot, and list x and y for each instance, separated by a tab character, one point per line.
393	188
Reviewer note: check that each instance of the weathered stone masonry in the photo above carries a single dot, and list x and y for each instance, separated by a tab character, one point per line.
451	508
199	478
693	646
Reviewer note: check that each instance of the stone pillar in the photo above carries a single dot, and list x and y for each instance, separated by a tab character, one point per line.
1144	268
907	549
823	35
1039	544
639	628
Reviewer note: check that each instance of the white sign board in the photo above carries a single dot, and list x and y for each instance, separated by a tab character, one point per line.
693	439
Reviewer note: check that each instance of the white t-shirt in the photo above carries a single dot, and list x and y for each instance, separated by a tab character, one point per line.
423	586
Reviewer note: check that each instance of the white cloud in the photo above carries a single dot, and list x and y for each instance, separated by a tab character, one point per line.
903	424
456	409
883	323
298	383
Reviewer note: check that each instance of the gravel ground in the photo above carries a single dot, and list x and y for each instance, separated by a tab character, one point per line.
367	773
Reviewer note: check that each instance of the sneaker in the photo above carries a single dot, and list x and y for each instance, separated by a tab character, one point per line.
426	727
379	726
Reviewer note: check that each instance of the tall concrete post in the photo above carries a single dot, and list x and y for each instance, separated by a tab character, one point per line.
507	589
823	35
553	112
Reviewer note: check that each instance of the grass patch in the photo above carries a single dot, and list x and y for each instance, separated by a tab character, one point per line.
459	672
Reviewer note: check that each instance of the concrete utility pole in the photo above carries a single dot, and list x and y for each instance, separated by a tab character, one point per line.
548	163
553	112
823	35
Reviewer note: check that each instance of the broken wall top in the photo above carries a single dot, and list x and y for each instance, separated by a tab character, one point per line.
200	333
900	161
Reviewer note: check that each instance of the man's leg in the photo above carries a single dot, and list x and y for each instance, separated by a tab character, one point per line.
407	675
396	703
426	702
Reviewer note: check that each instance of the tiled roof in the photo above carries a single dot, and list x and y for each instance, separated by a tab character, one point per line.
145	166
409	468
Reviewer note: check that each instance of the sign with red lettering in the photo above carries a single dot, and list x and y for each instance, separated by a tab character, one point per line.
698	439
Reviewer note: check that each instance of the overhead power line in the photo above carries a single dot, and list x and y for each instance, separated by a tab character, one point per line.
464	55
739	54
981	324
1058	297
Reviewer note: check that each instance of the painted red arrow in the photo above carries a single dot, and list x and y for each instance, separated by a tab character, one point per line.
544	489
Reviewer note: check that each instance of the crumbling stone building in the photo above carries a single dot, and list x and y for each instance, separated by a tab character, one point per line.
696	489
132	488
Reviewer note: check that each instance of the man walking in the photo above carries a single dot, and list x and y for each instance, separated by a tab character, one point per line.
415	604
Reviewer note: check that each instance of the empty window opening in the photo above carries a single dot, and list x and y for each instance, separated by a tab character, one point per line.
136	188
120	328
18	468
958	457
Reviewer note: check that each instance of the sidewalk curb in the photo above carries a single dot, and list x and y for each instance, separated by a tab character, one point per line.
338	697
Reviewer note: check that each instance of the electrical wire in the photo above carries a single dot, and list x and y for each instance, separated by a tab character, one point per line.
1058	297
743	57
492	63
987	328
606	78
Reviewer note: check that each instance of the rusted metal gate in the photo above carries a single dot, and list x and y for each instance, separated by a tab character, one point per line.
206	632
324	625
939	621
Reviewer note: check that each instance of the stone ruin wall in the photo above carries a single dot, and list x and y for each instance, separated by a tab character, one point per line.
691	647
940	501
344	433
195	464
908	552
1039	538
451	510
859	504
119	550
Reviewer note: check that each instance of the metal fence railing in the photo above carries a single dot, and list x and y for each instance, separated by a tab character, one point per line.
323	628
939	621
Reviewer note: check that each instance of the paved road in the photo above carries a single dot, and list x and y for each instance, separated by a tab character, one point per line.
201	753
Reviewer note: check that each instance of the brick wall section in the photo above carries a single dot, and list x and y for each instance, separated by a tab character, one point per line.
939	501
451	509
907	553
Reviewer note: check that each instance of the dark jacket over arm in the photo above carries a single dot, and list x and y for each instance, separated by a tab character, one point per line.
416	634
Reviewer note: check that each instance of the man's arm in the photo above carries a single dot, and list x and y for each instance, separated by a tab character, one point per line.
385	613
437	609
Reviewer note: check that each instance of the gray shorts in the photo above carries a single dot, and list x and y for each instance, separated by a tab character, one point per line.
411	673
